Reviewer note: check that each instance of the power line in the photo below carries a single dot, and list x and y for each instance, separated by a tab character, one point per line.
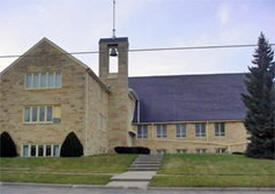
144	50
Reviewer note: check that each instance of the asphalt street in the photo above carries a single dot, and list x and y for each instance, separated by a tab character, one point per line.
13	189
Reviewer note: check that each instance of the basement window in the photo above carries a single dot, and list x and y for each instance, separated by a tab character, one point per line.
220	150
40	150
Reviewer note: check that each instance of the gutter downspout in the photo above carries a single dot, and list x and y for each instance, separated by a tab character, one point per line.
207	123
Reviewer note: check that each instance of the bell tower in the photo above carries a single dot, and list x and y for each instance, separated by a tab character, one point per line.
117	81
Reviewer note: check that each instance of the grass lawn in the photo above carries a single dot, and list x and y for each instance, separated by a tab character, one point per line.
108	163
213	181
210	170
212	164
55	178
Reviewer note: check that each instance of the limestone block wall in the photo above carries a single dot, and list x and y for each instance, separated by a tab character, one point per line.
70	97
97	118
235	139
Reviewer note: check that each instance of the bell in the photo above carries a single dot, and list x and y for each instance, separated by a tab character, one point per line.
113	52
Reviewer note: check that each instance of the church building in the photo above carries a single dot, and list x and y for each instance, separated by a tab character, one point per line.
47	94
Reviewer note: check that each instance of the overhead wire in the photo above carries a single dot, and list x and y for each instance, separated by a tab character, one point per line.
145	50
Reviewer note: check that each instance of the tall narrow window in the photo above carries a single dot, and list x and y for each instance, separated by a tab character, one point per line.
42	113
56	150
25	150
142	131
50	79
40	150
27	114
34	114
29	80
48	150
113	60
219	129
200	130
49	113
43	80
161	131
35	80
180	130
33	150
58	80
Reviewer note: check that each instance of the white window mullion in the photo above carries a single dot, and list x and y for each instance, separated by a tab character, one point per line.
36	151
46	85
29	150
44	150
52	150
54	79
32	84
39	80
31	114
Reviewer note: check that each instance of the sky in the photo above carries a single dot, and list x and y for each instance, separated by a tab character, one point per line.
77	25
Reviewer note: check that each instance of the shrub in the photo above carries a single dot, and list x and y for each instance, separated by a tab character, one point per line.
7	146
71	147
132	150
238	153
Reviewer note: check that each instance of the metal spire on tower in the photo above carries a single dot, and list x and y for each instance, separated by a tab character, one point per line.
114	9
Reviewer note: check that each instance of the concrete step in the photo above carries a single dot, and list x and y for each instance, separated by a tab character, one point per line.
143	168
145	165
149	163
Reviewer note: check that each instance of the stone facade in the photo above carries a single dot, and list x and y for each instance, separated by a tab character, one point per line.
235	139
99	110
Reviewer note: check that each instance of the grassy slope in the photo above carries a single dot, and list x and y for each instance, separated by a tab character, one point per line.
112	163
216	165
213	181
191	170
55	178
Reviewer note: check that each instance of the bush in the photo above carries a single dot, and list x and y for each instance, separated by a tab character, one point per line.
238	153
7	146
71	147
132	150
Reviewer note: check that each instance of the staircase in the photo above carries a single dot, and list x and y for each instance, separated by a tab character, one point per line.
146	163
139	173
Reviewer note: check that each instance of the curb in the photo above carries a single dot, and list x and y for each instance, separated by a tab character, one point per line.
82	186
213	188
57	185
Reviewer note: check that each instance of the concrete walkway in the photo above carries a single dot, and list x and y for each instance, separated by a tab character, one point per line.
139	173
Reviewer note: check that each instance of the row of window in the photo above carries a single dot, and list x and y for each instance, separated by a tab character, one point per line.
38	114
43	80
198	151
40	150
180	129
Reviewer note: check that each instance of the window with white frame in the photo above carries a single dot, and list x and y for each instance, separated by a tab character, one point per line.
181	151
219	129
161	131
34	114
142	131
47	150
180	130
220	150
43	80
161	151
201	151
200	130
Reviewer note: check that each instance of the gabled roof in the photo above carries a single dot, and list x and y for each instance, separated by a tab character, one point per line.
43	40
190	97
